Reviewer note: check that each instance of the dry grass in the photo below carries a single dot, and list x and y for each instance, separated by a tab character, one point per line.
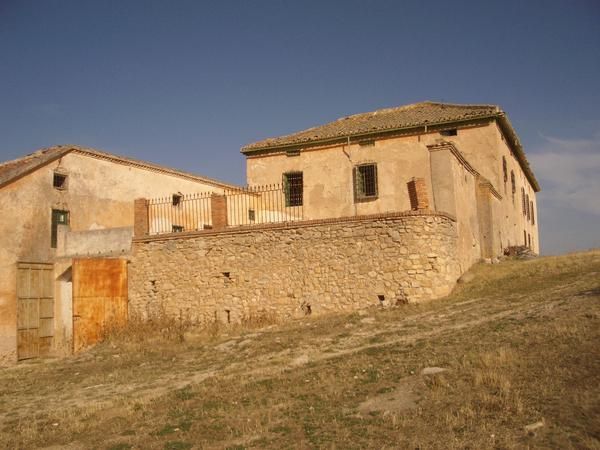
520	345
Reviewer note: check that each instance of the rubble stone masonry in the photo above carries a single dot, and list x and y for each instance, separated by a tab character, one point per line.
287	270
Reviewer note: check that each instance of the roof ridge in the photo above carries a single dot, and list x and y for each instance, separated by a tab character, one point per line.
28	162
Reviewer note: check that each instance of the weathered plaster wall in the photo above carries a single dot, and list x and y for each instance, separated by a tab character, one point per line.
331	265
328	183
94	243
100	195
454	187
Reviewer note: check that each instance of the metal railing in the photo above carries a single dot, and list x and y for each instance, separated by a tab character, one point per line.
180	213
254	205
271	203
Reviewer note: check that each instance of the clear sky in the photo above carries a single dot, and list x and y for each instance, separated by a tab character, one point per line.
187	83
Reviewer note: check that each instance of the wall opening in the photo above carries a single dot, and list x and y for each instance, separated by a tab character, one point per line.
177	198
451	132
59	181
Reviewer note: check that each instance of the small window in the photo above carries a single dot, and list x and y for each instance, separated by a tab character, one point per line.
512	183
60	181
452	132
525	238
177	228
529	239
293	188
527	206
251	215
532	213
59	217
523	202
292	152
504	169
365	182
177	199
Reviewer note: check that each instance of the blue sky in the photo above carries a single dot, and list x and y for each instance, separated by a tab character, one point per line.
187	83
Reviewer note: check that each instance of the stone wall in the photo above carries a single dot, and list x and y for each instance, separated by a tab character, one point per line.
287	270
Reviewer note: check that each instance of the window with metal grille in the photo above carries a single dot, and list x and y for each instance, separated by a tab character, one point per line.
293	188
59	217
365	182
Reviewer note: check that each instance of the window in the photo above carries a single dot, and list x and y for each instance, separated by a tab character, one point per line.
452	132
293	188
367	143
525	238
532	214
59	181
177	198
292	152
58	218
177	228
529	239
523	202
251	215
365	182
513	185
504	170
527	206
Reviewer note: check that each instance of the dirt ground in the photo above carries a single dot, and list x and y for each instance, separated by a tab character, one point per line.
509	360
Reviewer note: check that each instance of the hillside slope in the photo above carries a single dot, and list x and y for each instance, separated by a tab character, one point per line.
510	359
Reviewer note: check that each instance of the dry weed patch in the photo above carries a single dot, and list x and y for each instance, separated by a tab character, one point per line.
512	360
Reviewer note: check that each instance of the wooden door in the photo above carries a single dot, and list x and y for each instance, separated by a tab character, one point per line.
99	299
35	309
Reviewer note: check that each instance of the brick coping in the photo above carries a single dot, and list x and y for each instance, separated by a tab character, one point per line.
291	225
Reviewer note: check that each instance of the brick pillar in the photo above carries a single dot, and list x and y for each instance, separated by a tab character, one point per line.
417	192
140	217
218	205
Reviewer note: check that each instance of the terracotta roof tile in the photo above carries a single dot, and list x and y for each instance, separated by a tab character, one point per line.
418	114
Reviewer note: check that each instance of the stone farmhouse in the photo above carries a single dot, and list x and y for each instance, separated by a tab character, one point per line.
60	207
378	208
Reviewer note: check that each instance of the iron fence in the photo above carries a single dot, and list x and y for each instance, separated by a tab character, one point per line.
180	213
254	205
271	203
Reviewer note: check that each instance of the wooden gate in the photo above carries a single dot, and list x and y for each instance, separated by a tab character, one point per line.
99	299
35	309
